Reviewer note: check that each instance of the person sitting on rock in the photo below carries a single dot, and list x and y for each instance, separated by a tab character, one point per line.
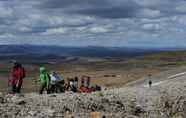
72	86
83	89
76	82
85	85
44	80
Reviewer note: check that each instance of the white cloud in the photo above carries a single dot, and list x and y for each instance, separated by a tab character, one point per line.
145	20
72	20
25	29
54	31
23	22
98	29
151	27
81	28
179	20
152	3
149	13
181	7
7	35
5	11
56	20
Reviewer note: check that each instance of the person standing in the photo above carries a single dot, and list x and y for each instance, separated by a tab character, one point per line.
150	80
44	80
17	75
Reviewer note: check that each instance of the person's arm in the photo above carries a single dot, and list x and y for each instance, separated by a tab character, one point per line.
39	78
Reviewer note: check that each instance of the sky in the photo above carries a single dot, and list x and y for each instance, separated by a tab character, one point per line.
118	23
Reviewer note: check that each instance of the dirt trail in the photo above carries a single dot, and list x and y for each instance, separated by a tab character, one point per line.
163	77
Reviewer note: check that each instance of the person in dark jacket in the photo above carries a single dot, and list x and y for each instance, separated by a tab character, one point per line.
150	81
17	75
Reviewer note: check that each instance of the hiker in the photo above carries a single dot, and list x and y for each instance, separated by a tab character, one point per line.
82	81
57	83
83	89
150	81
17	75
76	82
88	82
71	85
85	84
98	88
44	80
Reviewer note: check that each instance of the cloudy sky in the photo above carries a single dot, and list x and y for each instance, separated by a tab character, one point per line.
142	23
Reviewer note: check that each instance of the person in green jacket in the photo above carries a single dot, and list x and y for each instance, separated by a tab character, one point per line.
44	80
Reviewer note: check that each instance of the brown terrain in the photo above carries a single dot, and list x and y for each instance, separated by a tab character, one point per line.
127	95
110	73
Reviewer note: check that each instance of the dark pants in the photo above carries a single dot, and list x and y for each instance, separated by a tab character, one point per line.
16	89
56	87
42	88
53	88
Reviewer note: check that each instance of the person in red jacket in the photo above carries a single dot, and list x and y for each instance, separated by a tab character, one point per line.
17	75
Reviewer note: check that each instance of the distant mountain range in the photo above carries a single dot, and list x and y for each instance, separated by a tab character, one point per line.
54	52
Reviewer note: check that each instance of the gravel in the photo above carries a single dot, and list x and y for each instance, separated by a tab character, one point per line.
167	100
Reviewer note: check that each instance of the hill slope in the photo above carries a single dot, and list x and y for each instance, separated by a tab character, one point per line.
165	101
89	51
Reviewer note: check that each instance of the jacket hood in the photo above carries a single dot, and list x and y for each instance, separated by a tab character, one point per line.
42	69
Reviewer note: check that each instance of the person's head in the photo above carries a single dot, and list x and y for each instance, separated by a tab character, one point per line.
72	80
88	78
54	73
42	69
16	65
76	78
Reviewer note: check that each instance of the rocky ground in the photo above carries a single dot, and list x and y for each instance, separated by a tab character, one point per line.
167	100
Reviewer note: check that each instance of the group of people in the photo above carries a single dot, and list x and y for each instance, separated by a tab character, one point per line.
84	86
52	83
